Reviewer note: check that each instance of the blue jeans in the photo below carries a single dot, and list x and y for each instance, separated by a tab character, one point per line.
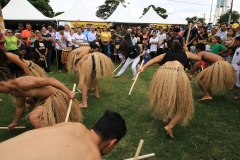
106	49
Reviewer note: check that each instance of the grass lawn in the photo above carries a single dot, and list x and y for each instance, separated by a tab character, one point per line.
214	133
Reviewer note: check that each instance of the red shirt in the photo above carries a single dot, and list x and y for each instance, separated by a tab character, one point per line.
2	44
145	37
25	34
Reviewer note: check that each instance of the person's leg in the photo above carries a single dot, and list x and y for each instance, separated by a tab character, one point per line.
207	94
84	96
0	99
134	66
34	117
109	50
96	91
59	59
53	57
49	55
175	120
126	64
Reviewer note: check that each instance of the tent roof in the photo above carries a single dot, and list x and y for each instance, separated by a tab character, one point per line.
78	11
22	10
122	15
152	17
175	18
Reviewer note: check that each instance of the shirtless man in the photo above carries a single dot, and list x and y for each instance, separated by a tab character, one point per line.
64	141
38	90
217	77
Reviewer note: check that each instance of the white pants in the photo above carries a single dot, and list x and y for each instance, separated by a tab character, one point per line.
238	79
127	63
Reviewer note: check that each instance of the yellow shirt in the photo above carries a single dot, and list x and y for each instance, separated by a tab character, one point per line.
105	36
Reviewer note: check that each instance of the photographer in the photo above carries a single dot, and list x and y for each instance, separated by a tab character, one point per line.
125	35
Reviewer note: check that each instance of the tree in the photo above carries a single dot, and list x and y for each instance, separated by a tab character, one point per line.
224	17
42	5
195	18
104	11
160	11
58	13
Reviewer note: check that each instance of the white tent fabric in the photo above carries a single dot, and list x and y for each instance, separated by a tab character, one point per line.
78	11
152	17
22	10
175	18
122	15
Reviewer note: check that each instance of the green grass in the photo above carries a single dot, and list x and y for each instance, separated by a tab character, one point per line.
214	133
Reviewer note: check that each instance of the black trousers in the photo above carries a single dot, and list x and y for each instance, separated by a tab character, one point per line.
153	54
59	59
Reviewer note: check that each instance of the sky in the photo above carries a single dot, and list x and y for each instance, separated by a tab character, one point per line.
136	6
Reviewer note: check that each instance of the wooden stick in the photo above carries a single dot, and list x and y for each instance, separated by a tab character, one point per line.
143	156
135	79
189	30
117	68
18	127
138	149
70	105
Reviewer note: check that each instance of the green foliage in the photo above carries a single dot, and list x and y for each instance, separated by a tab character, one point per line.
104	11
42	5
160	11
224	17
196	18
58	13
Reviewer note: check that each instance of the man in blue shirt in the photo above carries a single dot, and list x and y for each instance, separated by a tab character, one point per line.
91	35
86	31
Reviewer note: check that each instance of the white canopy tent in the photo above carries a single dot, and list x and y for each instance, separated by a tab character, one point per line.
152	17
78	11
176	18
22	10
122	15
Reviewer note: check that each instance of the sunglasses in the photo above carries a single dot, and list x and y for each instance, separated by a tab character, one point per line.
9	32
49	28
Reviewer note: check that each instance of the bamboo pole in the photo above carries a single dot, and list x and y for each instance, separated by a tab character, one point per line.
143	156
135	79
138	149
18	127
70	105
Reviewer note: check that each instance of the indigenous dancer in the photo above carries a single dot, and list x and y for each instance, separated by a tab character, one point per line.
170	91
131	54
90	68
220	76
76	55
67	140
50	97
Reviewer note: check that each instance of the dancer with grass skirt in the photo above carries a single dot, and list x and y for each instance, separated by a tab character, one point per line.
170	91
49	96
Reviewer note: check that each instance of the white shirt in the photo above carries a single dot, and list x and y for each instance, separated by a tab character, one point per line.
79	38
67	32
153	47
208	48
134	40
221	34
146	52
63	42
161	38
236	59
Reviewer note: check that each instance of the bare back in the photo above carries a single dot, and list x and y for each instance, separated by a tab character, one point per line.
59	142
83	50
210	57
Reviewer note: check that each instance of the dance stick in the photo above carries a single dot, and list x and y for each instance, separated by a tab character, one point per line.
117	68
19	127
138	149
45	62
143	156
189	30
135	79
202	67
70	105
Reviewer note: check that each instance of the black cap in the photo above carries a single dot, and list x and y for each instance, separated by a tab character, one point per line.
20	24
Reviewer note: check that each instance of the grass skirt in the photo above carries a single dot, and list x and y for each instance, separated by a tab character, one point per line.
171	93
36	70
71	61
97	65
55	109
218	77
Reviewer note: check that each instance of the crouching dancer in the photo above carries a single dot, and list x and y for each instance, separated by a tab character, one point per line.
67	141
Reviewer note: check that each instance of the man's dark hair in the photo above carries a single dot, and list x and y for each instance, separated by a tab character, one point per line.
88	24
176	46
61	28
201	46
28	24
190	21
124	27
94	46
5	74
224	23
176	30
202	27
110	126
237	38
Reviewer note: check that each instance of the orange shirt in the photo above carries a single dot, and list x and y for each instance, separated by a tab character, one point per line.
26	34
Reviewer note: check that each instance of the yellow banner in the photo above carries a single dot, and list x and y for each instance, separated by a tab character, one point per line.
2	25
80	24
